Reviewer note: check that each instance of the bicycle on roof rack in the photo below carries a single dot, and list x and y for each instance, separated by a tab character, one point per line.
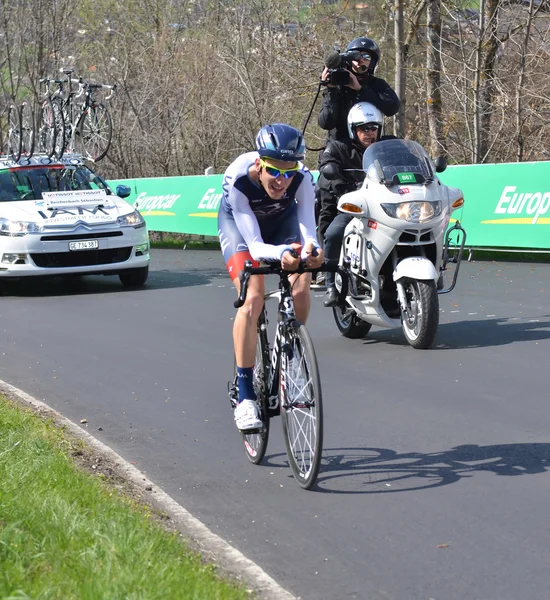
286	378
72	125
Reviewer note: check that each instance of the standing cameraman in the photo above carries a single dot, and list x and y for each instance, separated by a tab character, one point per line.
359	85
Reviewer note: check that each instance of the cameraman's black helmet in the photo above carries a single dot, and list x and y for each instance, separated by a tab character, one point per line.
365	44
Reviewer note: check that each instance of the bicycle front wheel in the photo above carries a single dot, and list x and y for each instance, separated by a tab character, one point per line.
302	407
27	129
95	132
14	133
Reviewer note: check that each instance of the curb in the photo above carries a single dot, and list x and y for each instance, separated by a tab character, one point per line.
202	540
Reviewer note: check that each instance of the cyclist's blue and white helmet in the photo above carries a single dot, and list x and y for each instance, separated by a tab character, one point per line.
281	142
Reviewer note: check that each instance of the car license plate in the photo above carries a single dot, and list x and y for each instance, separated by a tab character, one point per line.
84	245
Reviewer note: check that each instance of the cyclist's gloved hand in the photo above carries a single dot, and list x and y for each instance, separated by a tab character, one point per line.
290	261
314	255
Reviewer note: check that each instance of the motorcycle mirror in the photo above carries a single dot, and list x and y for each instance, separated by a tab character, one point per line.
440	164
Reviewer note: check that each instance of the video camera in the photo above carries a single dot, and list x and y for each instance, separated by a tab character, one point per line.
338	65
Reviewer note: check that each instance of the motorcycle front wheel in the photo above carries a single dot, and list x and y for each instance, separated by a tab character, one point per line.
420	318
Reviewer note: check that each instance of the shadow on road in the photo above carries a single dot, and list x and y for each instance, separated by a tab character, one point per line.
380	470
99	284
474	334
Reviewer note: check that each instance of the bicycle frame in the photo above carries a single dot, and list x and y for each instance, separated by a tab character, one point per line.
286	320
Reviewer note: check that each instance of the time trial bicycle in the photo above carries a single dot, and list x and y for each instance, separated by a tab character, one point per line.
286	378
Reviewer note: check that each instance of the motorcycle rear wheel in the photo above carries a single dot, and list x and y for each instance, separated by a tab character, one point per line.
349	324
421	320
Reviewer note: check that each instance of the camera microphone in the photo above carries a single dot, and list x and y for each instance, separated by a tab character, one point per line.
333	60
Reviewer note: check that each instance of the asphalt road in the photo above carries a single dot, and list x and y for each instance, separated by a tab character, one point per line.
434	482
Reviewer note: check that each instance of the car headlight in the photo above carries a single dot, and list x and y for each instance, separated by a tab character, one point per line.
413	212
133	219
18	228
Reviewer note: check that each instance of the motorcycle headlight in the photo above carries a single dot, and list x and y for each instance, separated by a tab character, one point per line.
413	212
133	219
18	228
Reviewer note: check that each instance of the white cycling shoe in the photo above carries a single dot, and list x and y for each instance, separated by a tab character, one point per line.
247	416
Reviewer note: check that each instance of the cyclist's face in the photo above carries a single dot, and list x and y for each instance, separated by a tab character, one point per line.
274	186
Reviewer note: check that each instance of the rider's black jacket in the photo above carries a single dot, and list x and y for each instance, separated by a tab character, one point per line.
345	161
338	100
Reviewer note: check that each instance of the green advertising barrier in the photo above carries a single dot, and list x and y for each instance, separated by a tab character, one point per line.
505	205
177	204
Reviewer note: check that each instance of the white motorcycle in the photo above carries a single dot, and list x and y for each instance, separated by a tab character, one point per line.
398	244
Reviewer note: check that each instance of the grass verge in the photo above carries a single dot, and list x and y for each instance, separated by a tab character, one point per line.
66	534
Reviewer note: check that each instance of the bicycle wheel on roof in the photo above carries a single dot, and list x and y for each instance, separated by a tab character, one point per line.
47	128
14	132
27	129
301	407
59	142
95	132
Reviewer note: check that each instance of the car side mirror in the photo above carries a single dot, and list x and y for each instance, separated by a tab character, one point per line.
440	164
123	191
331	172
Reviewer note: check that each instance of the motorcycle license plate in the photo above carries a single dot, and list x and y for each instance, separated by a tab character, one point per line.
84	245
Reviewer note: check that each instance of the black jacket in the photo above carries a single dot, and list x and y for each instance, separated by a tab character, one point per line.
338	100
344	159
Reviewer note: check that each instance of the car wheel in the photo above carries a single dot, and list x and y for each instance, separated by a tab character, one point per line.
134	277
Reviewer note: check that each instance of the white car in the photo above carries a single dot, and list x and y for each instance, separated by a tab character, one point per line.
58	217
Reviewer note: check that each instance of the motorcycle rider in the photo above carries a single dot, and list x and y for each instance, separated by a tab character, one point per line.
340	171
362	86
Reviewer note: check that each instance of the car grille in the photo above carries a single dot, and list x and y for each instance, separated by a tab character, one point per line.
81	258
79	236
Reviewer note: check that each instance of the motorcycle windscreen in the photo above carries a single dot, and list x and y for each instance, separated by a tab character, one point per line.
398	162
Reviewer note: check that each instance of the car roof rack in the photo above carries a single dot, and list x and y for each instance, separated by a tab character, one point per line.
39	159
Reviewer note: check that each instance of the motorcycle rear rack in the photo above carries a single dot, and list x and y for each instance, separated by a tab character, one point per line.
454	255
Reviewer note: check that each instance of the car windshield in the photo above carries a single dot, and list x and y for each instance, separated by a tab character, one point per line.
397	162
28	183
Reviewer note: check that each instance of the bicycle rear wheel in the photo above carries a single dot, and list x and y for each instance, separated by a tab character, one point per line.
14	133
47	129
95	132
27	129
255	442
302	407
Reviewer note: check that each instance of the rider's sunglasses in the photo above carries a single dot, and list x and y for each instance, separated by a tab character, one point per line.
366	56
368	127
286	173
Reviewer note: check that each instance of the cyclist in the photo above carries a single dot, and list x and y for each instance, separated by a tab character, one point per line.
266	213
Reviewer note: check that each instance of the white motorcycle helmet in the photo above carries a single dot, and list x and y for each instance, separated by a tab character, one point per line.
364	113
